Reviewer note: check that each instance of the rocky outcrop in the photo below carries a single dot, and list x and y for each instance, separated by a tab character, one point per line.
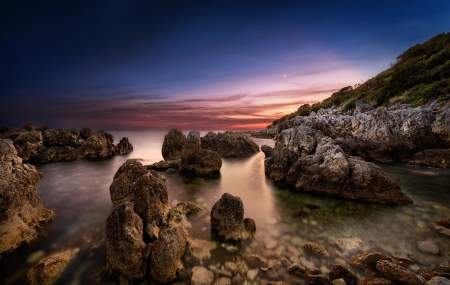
42	145
229	144
173	143
48	270
227	218
267	150
196	160
21	210
313	162
432	158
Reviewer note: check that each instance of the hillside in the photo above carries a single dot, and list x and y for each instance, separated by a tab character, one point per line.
420	74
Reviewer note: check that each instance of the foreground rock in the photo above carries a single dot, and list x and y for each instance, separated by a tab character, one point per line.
432	158
22	211
229	144
196	160
397	273
227	219
338	271
174	141
48	270
313	162
368	260
42	145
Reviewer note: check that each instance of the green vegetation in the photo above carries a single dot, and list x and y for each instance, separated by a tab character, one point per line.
421	74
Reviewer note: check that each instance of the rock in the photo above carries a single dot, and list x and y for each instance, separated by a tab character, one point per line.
22	211
339	281
442	268
85	133
29	127
278	283
368	260
250	225
238	280
428	247
432	158
173	144
268	151
229	144
438	281
166	254
223	281
312	162
338	271
227	218
197	160
49	269
375	281
124	242
189	150
201	276
207	161
200	249
252	273
315	277
254	260
350	244
125	177
124	146
164	165
396	273
296	269
99	144
442	230
445	222
315	248
269	270
60	137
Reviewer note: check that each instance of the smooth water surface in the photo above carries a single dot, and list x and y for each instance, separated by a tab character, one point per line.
79	193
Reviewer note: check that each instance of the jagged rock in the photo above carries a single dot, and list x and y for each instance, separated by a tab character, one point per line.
350	244
315	277
397	273
99	144
375	281
21	209
173	144
124	146
368	260
313	162
201	276
441	126
428	247
296	269
268	151
229	144
124	242
250	225
339	271
227	218
85	133
437	280
432	158
49	269
60	137
189	151
166	254
207	161
124	178
164	165
315	248
445	222
29	127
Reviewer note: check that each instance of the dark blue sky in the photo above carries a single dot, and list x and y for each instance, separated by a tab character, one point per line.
194	64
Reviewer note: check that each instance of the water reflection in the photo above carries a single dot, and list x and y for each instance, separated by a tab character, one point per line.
79	192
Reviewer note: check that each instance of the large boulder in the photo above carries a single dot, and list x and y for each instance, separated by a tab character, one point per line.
173	144
432	158
124	146
229	144
21	210
227	218
99	144
189	151
315	163
207	161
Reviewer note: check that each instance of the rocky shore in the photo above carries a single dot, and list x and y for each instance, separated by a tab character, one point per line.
44	144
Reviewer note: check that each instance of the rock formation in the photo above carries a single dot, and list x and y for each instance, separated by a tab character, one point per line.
227	219
174	141
313	162
21	210
432	158
41	145
229	144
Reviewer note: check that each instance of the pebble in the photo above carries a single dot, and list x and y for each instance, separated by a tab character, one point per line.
339	281
272	244
428	247
252	273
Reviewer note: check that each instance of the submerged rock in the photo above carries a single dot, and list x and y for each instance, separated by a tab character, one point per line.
350	244
339	271
173	144
444	222
315	277
229	144
428	247
21	209
314	163
437	280
201	276
227	218
368	260
397	273
48	270
315	248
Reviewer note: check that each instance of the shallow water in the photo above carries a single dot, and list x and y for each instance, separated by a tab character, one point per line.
79	193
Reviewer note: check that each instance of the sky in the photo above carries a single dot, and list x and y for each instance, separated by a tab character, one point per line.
194	65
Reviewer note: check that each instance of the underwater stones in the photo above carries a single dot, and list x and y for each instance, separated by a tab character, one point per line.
49	269
437	280
350	244
368	260
397	273
166	254
22	211
315	249
227	218
124	242
173	144
199	249
444	222
296	269
315	277
229	144
338	271
428	247
201	276
254	260
375	281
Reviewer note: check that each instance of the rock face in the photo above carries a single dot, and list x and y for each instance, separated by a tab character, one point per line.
143	231
229	144
41	145
48	270
173	144
227	218
432	158
21	210
397	273
312	162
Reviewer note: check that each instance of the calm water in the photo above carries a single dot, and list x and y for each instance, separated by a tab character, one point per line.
79	193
